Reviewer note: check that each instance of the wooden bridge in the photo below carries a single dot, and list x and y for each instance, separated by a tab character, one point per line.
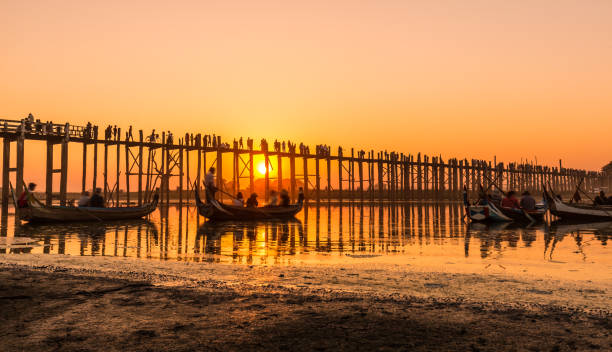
147	162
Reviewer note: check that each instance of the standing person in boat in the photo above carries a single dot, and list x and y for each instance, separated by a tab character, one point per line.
209	183
26	196
96	200
301	195
284	198
239	200
527	201
252	201
273	199
84	200
510	201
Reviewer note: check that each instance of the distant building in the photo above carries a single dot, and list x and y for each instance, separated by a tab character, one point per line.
607	168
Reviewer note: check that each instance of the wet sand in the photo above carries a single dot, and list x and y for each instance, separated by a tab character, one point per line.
53	303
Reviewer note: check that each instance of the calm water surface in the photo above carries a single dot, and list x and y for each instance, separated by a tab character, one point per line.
320	234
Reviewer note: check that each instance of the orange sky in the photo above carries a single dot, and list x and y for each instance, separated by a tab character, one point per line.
515	79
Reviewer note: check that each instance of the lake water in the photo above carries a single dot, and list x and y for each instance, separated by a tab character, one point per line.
326	234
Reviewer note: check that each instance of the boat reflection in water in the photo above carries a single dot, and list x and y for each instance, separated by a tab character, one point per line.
412	230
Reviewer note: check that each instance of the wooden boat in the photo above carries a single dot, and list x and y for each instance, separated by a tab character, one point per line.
218	211
38	212
488	211
577	211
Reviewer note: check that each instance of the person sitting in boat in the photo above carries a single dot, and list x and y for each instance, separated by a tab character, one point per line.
273	199
284	198
252	201
601	198
301	195
26	196
510	201
209	183
84	200
96	200
527	201
239	200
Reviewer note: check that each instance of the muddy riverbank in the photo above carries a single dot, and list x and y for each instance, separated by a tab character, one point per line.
74	306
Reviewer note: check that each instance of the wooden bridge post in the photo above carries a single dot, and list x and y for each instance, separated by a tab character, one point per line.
127	170
118	171
64	171
317	180
251	173
361	194
236	170
105	175
84	173
305	159
435	183
370	167
181	174
292	175
6	164
162	169
140	157
419	177
95	166
328	171
340	175
426	176
220	169
279	172
352	174
381	181
267	175
49	174
199	172
19	179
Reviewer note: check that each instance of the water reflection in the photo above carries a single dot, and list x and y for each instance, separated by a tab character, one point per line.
319	233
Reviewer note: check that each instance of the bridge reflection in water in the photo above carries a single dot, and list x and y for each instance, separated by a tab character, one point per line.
319	233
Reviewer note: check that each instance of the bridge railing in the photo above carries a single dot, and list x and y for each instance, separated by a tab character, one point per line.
45	128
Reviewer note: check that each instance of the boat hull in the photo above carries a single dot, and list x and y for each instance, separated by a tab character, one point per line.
37	214
224	212
578	212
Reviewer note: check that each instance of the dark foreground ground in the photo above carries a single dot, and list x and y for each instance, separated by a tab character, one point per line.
46	310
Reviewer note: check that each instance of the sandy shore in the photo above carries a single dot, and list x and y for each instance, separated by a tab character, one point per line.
53	303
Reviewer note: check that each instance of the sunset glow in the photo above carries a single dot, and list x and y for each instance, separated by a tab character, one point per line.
261	168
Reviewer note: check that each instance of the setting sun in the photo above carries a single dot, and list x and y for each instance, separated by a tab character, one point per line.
261	168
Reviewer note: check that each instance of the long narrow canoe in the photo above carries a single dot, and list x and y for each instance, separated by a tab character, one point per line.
38	212
223	212
578	212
